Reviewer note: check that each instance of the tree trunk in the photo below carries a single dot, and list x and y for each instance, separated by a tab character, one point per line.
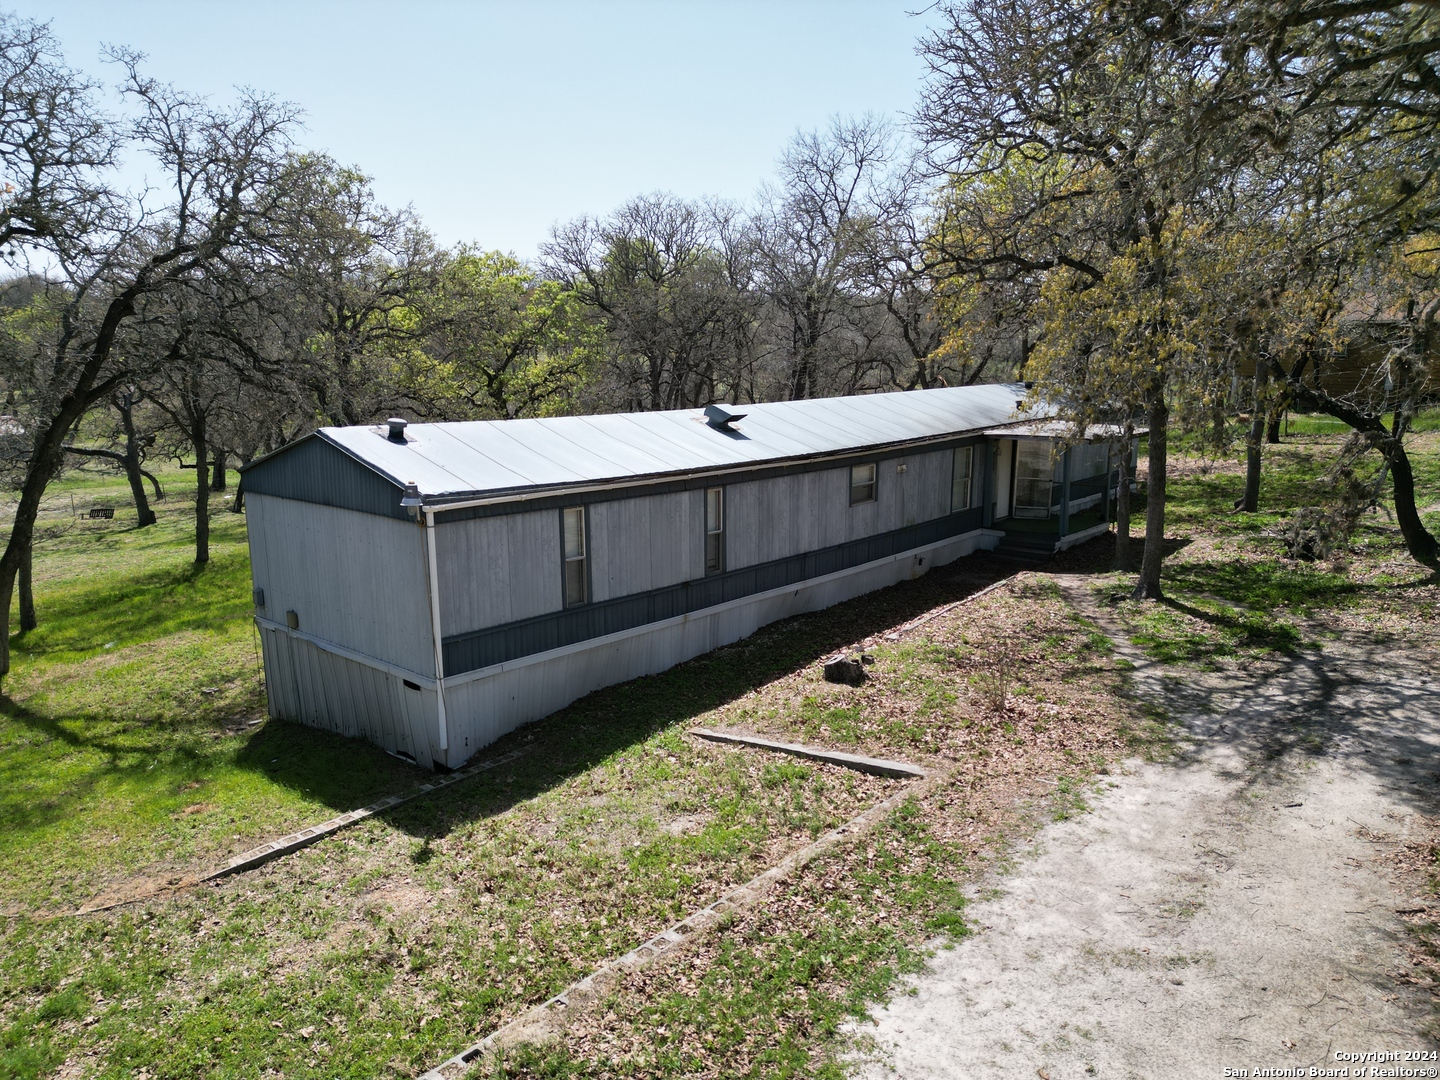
218	484
44	460
202	493
1148	585
27	593
1250	501
1122	508
1272	425
237	505
1418	541
144	515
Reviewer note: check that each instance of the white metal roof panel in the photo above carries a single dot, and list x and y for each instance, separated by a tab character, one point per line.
468	459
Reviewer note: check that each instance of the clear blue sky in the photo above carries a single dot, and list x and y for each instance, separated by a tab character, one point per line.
495	120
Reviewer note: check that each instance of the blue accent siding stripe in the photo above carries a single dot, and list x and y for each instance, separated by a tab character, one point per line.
497	644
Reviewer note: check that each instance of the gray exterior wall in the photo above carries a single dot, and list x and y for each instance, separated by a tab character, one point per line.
482	706
355	579
359	584
497	570
646	543
506	568
315	686
787	515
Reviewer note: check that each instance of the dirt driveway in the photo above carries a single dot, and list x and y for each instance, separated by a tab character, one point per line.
1232	909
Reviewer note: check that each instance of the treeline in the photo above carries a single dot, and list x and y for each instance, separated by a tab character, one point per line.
1169	215
267	291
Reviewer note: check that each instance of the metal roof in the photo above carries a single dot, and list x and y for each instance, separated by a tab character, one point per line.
475	459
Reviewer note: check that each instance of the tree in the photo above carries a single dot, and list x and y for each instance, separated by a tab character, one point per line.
115	259
665	281
357	268
1067	142
131	456
819	252
1345	95
502	341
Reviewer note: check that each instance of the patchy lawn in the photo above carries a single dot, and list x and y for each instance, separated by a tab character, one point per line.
133	748
1232	594
131	751
129	730
767	997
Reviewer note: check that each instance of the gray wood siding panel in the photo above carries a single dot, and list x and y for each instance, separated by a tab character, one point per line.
929	477
355	579
775	518
496	570
788	515
646	543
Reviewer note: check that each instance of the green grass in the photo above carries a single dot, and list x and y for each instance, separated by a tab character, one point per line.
1230	592
132	701
786	987
1318	424
132	750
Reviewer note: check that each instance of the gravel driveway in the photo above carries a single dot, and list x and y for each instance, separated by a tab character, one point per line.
1229	909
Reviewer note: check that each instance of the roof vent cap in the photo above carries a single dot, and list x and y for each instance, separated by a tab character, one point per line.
397	428
718	416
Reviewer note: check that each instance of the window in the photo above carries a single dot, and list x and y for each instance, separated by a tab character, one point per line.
572	525
960	479
714	530
862	483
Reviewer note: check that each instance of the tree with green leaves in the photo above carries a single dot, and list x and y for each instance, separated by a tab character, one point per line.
113	255
1065	142
501	340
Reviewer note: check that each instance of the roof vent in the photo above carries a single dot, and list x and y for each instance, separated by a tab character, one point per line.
397	428
717	416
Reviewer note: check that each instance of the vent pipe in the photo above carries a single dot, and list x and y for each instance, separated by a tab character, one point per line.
397	429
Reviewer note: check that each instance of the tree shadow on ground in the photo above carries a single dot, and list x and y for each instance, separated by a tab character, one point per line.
1368	705
123	611
155	762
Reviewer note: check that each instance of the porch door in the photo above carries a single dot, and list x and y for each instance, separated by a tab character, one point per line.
1033	477
1004	461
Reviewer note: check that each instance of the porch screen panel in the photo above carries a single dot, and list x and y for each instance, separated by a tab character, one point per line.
1033	479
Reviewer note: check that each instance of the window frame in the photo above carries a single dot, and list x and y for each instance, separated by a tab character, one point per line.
717	565
969	452
583	558
873	483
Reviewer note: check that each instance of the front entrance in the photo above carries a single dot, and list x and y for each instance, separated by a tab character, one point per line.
1033	478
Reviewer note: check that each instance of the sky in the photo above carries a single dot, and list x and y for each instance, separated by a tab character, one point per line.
496	120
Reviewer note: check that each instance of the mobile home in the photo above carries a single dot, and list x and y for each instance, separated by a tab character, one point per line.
431	587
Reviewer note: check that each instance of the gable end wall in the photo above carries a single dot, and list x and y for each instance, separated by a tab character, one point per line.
314	471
